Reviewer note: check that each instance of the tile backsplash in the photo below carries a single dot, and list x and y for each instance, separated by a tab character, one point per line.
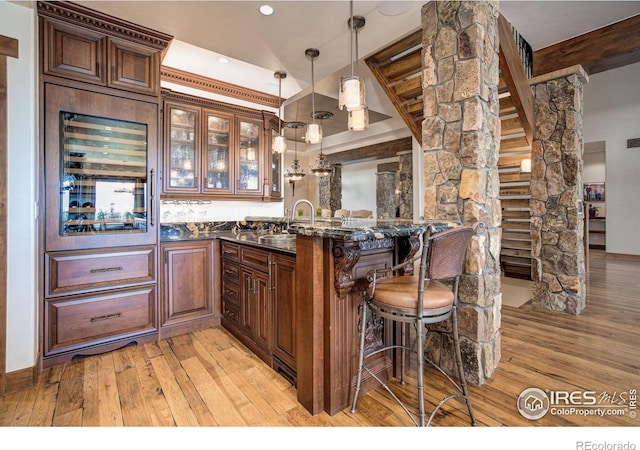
181	211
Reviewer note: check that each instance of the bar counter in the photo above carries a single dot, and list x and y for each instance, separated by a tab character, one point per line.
332	261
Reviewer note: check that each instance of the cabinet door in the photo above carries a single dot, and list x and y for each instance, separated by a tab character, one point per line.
74	52
133	67
182	149
187	281
247	303
283	291
218	169
262	301
249	162
275	178
100	155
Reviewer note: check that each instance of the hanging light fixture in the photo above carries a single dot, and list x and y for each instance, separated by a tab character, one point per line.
322	168
352	95
314	130
279	142
295	172
358	119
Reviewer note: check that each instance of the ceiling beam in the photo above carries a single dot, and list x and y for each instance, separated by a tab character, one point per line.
383	150
603	49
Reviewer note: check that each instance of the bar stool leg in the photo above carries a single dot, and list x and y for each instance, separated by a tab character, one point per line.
463	378
403	353
363	328
420	371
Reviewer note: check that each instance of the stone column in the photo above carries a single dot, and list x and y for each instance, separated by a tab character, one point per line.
404	184
557	227
460	139
330	190
385	195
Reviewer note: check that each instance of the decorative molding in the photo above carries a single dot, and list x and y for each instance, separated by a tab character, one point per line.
97	21
345	258
207	84
374	244
168	94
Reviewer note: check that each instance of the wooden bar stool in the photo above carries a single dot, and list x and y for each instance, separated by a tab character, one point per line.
420	300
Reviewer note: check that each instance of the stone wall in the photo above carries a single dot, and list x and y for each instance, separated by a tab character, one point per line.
460	140
330	190
556	191
385	195
404	185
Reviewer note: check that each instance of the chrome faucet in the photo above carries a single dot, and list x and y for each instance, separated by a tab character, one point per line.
306	202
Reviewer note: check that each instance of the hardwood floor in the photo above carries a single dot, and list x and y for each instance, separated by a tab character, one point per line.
209	379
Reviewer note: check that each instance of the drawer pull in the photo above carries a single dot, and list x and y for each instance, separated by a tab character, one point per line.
107	317
107	269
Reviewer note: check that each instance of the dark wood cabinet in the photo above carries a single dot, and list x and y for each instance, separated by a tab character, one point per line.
81	44
258	303
217	150
283	288
100	84
188	287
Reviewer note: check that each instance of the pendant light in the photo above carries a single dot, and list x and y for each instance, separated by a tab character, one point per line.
322	168
314	130
279	142
351	95
295	172
358	119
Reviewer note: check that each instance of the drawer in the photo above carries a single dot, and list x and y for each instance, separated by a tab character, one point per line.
231	291
78	271
231	251
85	320
230	271
231	313
252	257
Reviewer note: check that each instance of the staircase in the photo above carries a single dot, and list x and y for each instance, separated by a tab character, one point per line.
398	69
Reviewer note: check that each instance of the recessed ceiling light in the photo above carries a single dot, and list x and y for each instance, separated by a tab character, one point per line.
223	60
394	8
266	10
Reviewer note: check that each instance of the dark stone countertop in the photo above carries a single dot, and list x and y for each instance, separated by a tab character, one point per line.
365	229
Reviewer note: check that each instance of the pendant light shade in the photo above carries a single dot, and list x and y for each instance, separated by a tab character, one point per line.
322	168
352	93
359	119
295	172
279	142
314	130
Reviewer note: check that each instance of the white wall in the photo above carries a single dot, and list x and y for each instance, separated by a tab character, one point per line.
612	114
18	22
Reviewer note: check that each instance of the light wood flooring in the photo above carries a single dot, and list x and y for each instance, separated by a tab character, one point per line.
209	379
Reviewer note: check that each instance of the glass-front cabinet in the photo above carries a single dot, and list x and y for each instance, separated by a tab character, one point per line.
182	137
275	180
219	151
218	164
249	174
100	170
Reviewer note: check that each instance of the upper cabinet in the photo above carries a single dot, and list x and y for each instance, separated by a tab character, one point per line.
82	45
217	150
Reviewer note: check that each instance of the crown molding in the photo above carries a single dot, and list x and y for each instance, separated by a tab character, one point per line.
214	86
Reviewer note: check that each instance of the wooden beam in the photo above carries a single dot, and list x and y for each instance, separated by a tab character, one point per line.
512	72
603	49
376	151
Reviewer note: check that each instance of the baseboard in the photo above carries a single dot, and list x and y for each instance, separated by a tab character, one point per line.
21	379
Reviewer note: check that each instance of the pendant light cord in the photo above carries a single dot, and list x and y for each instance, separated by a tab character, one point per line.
313	92
352	26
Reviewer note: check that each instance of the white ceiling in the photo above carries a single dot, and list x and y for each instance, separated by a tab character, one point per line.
258	45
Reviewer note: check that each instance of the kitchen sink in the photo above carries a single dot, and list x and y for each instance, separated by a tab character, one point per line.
280	240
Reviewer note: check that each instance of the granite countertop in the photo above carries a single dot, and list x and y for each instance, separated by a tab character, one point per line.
337	229
365	229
